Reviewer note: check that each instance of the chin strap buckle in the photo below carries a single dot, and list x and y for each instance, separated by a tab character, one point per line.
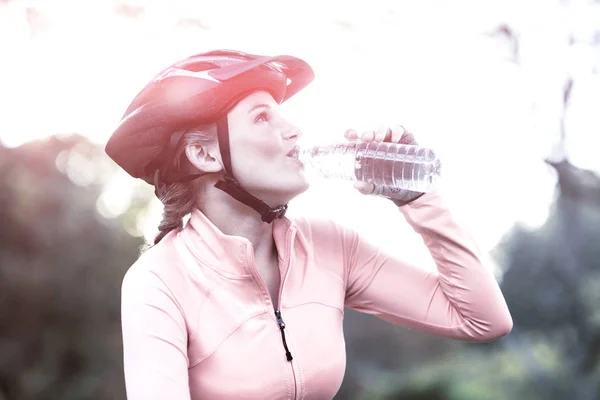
269	215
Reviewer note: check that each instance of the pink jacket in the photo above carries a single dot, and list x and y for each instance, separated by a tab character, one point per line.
198	322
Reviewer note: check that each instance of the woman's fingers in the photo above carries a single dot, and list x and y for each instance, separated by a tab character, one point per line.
364	187
394	134
351	134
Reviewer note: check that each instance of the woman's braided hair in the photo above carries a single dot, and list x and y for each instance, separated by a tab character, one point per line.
179	198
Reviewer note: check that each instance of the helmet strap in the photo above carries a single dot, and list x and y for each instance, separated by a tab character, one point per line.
232	187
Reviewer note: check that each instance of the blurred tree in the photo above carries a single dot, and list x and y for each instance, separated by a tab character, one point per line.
61	266
552	285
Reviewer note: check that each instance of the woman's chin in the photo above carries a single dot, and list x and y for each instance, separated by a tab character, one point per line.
290	192
303	185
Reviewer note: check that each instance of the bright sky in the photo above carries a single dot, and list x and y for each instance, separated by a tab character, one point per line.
428	65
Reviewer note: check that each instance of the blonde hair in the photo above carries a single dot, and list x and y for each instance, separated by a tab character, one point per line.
179	198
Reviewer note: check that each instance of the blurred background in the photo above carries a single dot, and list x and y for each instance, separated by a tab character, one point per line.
507	91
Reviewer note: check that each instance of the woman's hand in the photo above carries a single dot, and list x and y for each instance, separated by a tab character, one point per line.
395	134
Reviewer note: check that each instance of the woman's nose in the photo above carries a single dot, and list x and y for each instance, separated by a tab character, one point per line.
293	132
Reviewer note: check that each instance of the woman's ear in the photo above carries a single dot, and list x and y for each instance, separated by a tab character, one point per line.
204	157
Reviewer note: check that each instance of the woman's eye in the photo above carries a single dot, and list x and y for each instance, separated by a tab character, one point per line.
261	117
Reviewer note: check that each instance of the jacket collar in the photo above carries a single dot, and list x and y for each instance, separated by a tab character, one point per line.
227	254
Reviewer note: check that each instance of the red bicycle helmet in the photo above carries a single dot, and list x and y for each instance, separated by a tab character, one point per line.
199	89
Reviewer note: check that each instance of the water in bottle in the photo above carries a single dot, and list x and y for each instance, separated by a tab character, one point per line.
394	165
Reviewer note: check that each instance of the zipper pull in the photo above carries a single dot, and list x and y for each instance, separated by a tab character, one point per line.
279	320
281	325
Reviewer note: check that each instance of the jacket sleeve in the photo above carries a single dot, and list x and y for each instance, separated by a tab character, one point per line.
154	339
462	300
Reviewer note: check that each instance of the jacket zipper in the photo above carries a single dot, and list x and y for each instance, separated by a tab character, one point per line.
280	322
278	316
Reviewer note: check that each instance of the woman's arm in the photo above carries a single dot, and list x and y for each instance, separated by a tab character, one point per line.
461	301
154	338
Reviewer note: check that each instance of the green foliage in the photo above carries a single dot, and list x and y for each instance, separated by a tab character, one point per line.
61	266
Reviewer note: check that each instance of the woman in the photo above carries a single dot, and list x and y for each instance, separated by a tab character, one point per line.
203	310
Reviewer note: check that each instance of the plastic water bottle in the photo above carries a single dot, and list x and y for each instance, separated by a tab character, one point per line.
394	165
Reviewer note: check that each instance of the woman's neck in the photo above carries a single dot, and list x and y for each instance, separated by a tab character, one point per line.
237	219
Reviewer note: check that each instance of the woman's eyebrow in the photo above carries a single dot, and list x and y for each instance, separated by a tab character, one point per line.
259	106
